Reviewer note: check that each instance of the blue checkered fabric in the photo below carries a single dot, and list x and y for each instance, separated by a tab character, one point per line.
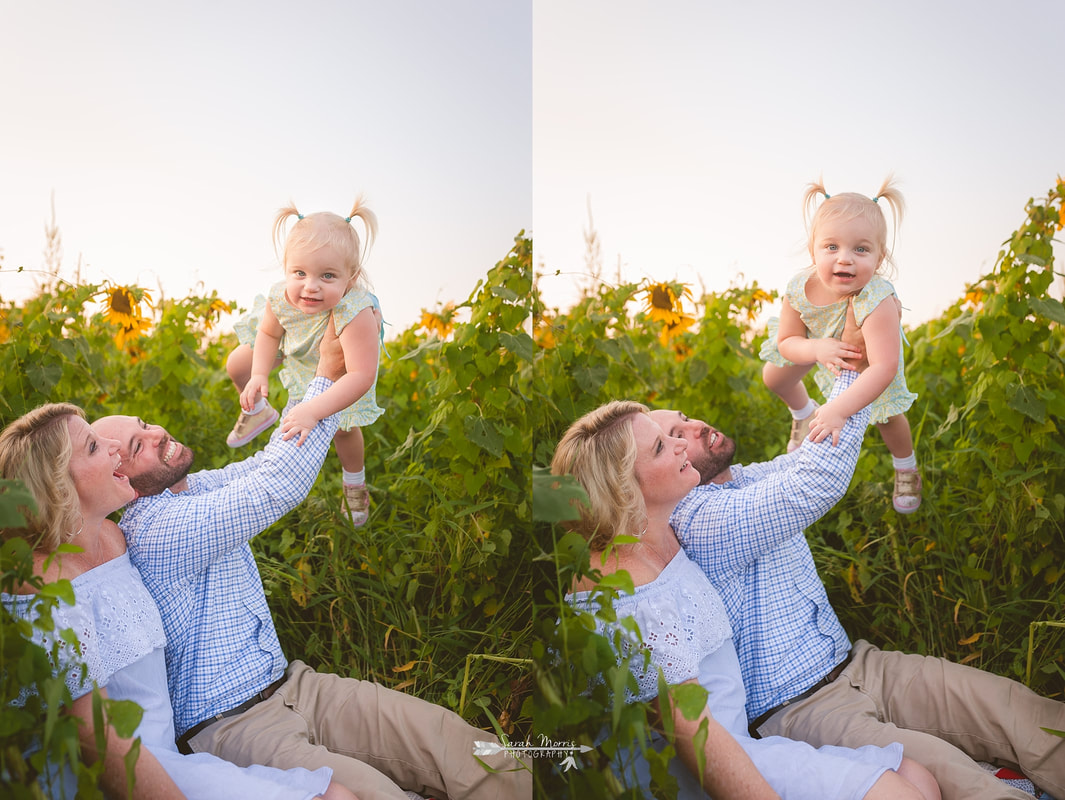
193	554
747	535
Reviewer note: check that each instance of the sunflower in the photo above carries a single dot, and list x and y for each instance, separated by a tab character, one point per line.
974	298
662	302
544	333
122	307
669	330
1061	210
122	304
214	312
441	322
758	298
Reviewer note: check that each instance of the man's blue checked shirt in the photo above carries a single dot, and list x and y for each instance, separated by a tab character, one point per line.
192	551
747	535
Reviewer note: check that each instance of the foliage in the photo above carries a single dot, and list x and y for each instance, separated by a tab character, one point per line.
440	572
37	740
963	578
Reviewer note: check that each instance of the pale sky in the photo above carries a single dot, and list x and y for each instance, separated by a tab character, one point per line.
693	126
170	134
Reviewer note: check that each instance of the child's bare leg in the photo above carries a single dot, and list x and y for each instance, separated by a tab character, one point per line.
248	425
786	383
906	496
897	437
238	366
350	450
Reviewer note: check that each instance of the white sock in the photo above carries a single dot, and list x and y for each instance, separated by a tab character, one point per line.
910	462
355	478
260	404
805	411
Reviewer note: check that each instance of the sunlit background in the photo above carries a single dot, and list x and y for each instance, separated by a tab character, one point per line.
691	128
167	136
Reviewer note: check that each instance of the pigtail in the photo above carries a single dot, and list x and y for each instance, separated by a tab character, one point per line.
889	191
369	221
809	200
279	227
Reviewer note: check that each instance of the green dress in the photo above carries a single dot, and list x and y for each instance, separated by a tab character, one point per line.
826	322
299	345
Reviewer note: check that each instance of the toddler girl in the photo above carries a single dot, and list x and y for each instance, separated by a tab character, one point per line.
324	280
848	244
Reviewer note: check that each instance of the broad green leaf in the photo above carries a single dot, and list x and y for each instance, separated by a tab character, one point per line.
1049	308
555	496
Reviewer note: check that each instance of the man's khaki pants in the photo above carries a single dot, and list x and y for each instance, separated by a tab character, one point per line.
376	740
944	714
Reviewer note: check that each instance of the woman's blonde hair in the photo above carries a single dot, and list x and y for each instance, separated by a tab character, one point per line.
599	450
848	205
36	450
326	229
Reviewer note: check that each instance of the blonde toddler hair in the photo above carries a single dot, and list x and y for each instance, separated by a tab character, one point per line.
848	205
326	229
36	450
599	450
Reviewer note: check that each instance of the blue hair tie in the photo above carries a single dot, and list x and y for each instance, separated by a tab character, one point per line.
299	216
876	199
827	195
347	220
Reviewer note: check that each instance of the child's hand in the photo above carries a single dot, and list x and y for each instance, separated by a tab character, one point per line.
826	422
832	354
256	385
298	422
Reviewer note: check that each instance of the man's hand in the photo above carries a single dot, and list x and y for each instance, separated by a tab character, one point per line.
331	354
853	336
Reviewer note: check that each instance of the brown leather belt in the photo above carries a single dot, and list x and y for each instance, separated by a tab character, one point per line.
821	684
255	699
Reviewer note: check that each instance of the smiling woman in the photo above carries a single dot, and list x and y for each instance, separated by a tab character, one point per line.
635	474
72	473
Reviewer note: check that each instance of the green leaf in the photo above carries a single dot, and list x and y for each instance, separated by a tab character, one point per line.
61	589
690	699
620	581
1049	308
521	344
14	495
483	433
1025	400
125	716
555	497
43	377
591	378
697	370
